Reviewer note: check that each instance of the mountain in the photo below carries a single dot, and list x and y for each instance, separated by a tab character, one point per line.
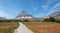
56	15
24	14
1	18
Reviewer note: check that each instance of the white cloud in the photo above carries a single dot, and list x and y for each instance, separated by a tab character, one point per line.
54	9
50	12
40	15
3	14
56	5
46	6
43	6
35	9
6	15
32	4
50	1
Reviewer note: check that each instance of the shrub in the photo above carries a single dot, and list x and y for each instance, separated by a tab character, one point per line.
50	19
25	20
46	20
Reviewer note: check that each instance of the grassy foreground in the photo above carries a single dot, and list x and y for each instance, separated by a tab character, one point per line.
43	27
8	27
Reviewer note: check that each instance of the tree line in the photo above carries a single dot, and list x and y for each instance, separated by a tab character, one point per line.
51	19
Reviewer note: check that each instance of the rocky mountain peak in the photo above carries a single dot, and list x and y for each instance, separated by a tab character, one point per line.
24	14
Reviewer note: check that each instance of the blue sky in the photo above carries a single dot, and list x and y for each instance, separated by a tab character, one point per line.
38	8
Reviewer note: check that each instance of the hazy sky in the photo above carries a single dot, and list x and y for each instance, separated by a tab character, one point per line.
38	8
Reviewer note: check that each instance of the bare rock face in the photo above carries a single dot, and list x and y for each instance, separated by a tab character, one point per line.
24	14
56	14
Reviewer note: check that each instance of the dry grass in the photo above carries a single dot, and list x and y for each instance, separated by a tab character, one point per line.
43	27
8	27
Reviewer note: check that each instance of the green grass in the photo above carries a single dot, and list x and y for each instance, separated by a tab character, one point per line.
43	27
40	23
37	27
8	27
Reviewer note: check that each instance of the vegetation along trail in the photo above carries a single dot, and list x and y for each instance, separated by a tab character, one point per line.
22	29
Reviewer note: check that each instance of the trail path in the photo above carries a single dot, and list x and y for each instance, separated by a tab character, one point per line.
22	29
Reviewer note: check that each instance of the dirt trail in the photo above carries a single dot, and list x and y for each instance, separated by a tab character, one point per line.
22	29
